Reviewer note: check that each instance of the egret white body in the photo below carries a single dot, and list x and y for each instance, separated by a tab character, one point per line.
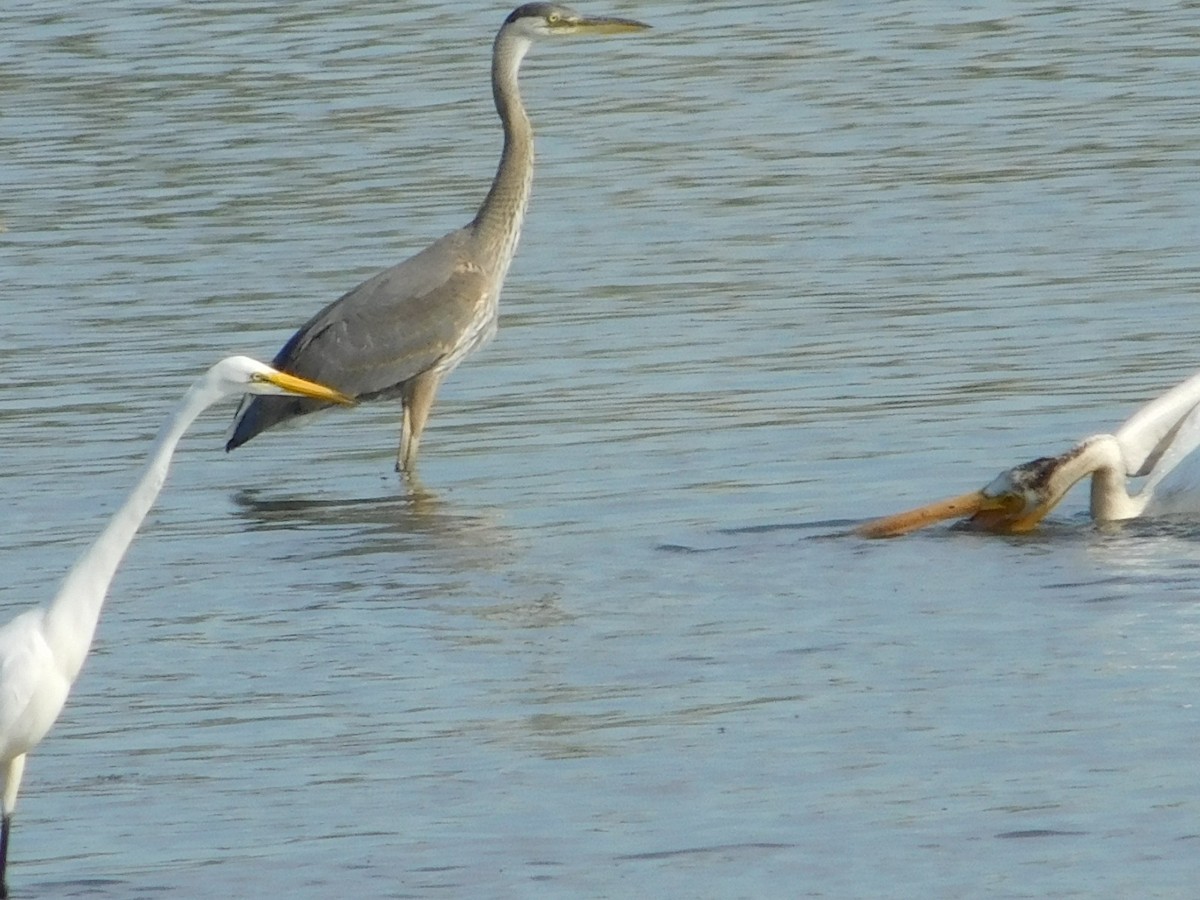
43	649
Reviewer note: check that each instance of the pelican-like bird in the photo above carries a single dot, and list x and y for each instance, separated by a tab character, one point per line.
43	649
1148	446
399	333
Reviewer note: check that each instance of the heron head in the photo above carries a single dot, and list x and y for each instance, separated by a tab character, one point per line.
545	19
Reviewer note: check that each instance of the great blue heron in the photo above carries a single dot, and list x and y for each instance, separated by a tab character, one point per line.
43	649
398	334
1149	446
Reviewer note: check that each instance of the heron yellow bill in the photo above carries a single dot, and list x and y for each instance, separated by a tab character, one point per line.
987	512
295	385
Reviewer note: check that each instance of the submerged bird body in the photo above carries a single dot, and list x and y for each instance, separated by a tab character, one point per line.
1147	448
398	334
42	650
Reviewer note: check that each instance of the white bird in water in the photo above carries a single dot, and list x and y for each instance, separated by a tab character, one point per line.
1148	446
43	649
401	332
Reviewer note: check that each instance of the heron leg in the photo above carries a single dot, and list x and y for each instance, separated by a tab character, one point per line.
405	438
417	396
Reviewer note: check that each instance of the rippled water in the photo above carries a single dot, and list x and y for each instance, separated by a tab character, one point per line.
787	265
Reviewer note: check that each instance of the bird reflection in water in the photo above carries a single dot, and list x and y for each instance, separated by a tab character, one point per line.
417	523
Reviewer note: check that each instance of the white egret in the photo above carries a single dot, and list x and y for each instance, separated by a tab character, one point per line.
1149	446
43	649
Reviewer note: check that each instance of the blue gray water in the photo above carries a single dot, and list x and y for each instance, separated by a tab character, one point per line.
788	265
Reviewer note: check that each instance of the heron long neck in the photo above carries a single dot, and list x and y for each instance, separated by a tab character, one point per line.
71	616
498	223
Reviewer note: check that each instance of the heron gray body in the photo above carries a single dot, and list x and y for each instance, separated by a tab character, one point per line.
398	334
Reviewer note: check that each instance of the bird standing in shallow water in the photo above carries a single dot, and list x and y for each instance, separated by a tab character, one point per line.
399	333
43	649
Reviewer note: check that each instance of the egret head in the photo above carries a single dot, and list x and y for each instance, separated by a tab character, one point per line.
241	374
534	20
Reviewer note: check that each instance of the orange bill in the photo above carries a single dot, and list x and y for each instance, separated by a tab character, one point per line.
993	514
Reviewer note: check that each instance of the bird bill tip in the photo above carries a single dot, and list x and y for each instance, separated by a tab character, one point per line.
305	388
923	516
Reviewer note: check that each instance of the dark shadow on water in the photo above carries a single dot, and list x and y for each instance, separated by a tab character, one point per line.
729	850
417	520
750	536
734	539
1180	527
826	527
266	510
83	887
1038	833
1076	529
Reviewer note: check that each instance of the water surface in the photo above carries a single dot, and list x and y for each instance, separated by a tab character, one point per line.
787	266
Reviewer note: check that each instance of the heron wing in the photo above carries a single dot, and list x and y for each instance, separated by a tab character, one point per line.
391	327
367	343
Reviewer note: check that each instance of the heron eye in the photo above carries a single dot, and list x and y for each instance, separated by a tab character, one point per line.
554	18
